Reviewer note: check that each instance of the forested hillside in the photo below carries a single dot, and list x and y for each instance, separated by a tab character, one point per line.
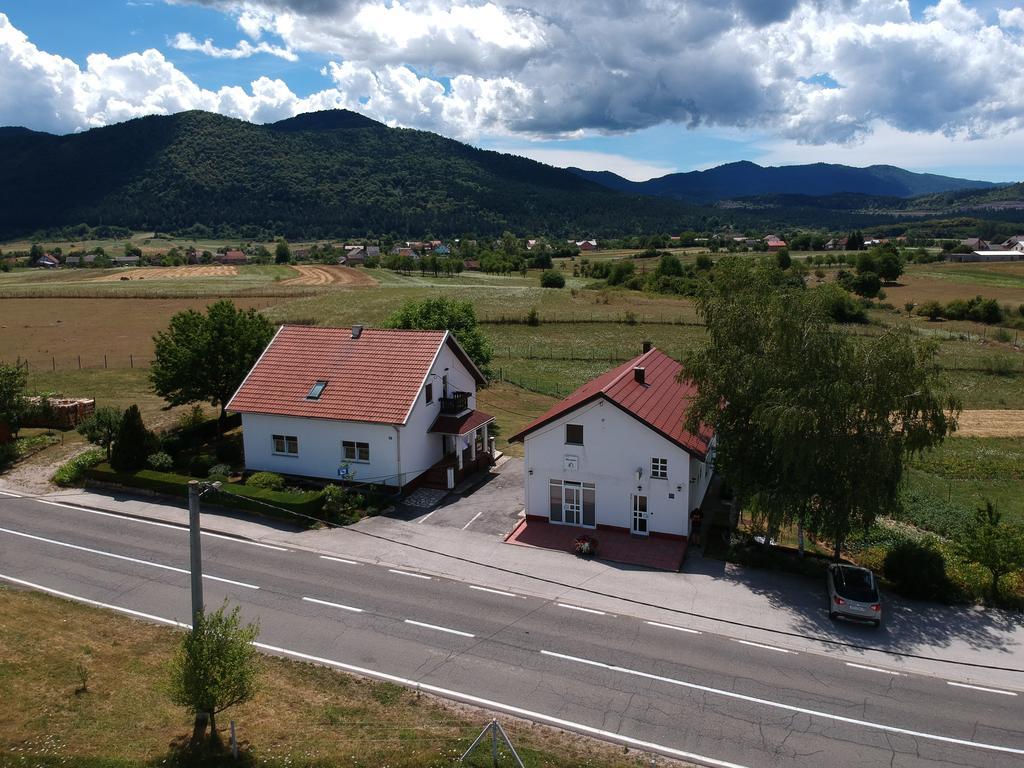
324	174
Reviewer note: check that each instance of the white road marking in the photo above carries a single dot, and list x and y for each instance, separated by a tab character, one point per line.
492	591
12	495
339	560
876	669
761	645
526	713
672	626
425	517
473	520
406	573
333	605
787	707
584	610
172	526
125	558
439	629
979	688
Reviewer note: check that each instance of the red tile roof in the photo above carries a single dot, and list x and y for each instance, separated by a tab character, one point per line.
660	403
460	425
375	378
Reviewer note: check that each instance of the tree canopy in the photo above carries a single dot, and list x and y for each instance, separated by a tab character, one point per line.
101	427
445	314
812	423
996	546
13	380
204	358
216	667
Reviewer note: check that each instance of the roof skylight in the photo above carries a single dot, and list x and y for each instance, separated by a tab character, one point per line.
316	391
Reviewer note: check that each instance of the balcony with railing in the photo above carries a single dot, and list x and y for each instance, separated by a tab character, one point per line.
455	403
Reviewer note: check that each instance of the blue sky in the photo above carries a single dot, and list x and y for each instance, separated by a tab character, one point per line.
672	85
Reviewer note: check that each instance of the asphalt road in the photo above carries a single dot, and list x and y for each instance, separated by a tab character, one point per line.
666	688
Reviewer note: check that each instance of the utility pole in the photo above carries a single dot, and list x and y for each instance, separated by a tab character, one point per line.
195	549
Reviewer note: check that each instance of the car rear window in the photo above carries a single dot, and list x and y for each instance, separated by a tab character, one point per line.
855	584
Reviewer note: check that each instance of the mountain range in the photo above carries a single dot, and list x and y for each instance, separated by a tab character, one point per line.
746	179
339	174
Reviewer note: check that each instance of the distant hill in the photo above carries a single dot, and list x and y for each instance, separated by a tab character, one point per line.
324	174
746	179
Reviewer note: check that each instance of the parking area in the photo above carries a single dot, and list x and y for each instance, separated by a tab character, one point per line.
490	506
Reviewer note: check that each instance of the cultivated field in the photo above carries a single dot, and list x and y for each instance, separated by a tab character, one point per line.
329	275
169	273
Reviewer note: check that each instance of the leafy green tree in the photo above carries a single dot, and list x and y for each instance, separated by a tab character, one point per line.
204	358
890	267
996	546
102	427
216	667
282	252
552	278
132	443
444	314
812	423
669	265
866	284
783	259
13	380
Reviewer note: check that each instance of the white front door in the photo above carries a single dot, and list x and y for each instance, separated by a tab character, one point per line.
572	503
639	515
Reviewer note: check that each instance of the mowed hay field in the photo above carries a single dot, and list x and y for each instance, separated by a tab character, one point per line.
170	273
53	333
329	275
944	282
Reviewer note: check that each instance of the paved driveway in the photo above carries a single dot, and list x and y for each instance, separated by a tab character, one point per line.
490	507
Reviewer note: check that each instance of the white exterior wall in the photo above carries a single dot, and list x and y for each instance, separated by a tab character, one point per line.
409	450
319	447
614	445
420	449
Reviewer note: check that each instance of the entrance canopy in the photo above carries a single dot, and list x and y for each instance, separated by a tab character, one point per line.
462	424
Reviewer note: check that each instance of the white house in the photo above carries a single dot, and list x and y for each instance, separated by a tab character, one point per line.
615	453
390	407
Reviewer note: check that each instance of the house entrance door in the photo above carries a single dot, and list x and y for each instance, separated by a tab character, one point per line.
639	515
572	503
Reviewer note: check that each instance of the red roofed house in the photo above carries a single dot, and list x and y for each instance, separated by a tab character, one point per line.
774	243
231	257
615	454
376	406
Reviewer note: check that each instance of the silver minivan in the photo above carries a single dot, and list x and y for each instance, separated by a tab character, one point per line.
853	594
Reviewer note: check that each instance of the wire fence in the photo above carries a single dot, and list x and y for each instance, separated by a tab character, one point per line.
624	318
86	362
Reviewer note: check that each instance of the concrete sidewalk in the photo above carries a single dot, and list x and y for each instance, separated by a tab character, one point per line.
963	644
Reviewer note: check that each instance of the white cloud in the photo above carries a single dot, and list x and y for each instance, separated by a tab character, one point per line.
1012	18
185	42
627	167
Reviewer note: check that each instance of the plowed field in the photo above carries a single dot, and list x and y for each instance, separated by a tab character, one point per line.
170	273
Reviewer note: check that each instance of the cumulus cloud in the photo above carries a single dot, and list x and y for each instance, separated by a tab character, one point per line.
185	42
532	68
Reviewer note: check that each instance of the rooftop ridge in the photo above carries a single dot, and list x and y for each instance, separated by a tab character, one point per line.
629	365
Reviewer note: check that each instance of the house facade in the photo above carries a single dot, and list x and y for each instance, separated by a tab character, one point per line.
615	454
389	407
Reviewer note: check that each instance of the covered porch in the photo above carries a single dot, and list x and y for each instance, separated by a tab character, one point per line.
468	447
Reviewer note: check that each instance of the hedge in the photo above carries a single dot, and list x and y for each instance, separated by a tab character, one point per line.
238	496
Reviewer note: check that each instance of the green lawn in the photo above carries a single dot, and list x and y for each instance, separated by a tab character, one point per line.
964	472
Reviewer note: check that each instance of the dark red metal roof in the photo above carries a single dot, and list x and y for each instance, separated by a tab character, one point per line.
375	378
460	425
660	402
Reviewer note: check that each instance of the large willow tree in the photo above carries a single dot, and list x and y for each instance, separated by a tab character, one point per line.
813	422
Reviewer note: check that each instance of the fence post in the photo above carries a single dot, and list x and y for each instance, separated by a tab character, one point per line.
131	361
54	361
104	362
79	362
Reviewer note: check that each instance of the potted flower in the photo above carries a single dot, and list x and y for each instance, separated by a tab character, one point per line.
585	546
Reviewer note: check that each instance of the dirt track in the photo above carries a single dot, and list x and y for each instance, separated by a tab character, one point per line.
991	424
329	275
170	273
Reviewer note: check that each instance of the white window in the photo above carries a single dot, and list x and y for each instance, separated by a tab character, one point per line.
286	445
353	451
659	468
572	503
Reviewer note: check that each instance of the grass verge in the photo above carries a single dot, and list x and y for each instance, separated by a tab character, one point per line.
304	715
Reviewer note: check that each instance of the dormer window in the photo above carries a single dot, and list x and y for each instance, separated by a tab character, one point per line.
316	391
